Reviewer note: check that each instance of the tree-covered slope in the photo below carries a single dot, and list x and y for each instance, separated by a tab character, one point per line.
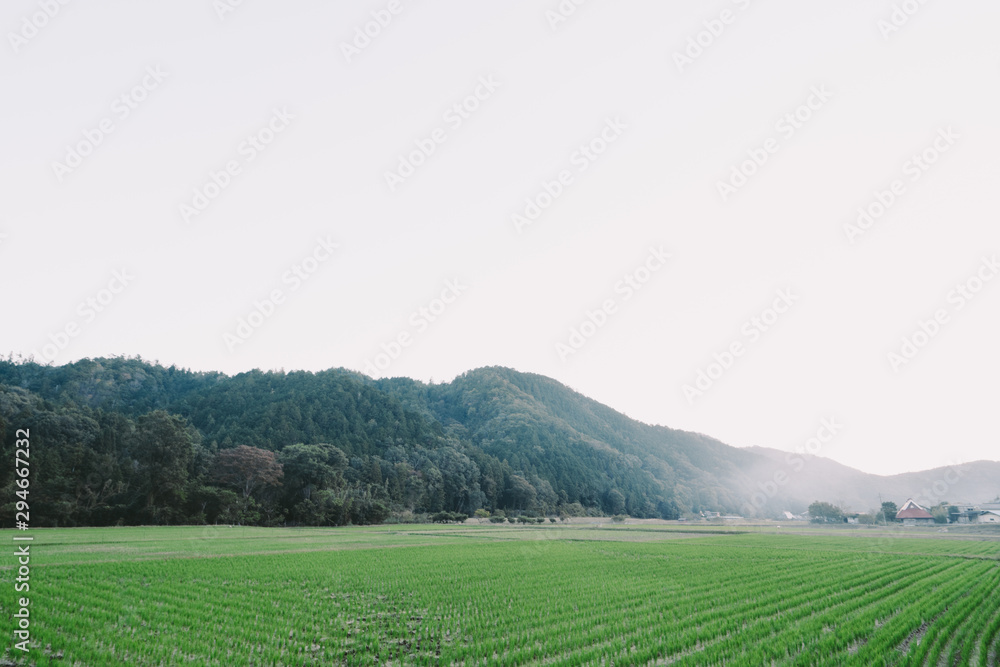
126	441
260	409
582	446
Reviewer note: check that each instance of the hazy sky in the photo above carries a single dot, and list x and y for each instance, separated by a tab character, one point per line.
654	203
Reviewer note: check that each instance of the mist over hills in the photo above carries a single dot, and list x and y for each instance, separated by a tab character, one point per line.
972	482
125	440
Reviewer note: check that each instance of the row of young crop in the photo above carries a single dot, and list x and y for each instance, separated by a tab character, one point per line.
763	599
536	650
102	613
674	616
186	603
854	624
783	633
946	636
923	603
578	603
750	648
172	594
896	541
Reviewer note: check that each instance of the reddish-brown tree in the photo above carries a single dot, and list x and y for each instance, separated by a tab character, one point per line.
248	469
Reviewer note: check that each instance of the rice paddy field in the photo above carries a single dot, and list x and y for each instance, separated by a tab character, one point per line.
503	595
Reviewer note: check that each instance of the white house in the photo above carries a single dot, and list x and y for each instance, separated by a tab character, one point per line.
989	516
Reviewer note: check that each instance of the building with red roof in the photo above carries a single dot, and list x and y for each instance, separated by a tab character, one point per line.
912	514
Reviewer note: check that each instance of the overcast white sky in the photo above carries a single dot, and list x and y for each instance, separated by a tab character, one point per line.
80	203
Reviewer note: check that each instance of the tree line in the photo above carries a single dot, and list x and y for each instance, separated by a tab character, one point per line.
122	442
824	512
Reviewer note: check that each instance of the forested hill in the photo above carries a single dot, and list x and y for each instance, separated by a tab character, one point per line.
580	446
125	441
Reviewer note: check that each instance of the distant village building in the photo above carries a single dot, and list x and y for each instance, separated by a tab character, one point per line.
912	514
962	513
989	516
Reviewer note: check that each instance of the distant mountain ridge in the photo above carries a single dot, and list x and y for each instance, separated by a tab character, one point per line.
973	482
492	438
709	474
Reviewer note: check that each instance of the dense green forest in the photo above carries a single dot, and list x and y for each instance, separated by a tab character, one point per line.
124	441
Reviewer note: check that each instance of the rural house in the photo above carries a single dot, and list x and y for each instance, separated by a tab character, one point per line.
989	516
912	514
962	513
